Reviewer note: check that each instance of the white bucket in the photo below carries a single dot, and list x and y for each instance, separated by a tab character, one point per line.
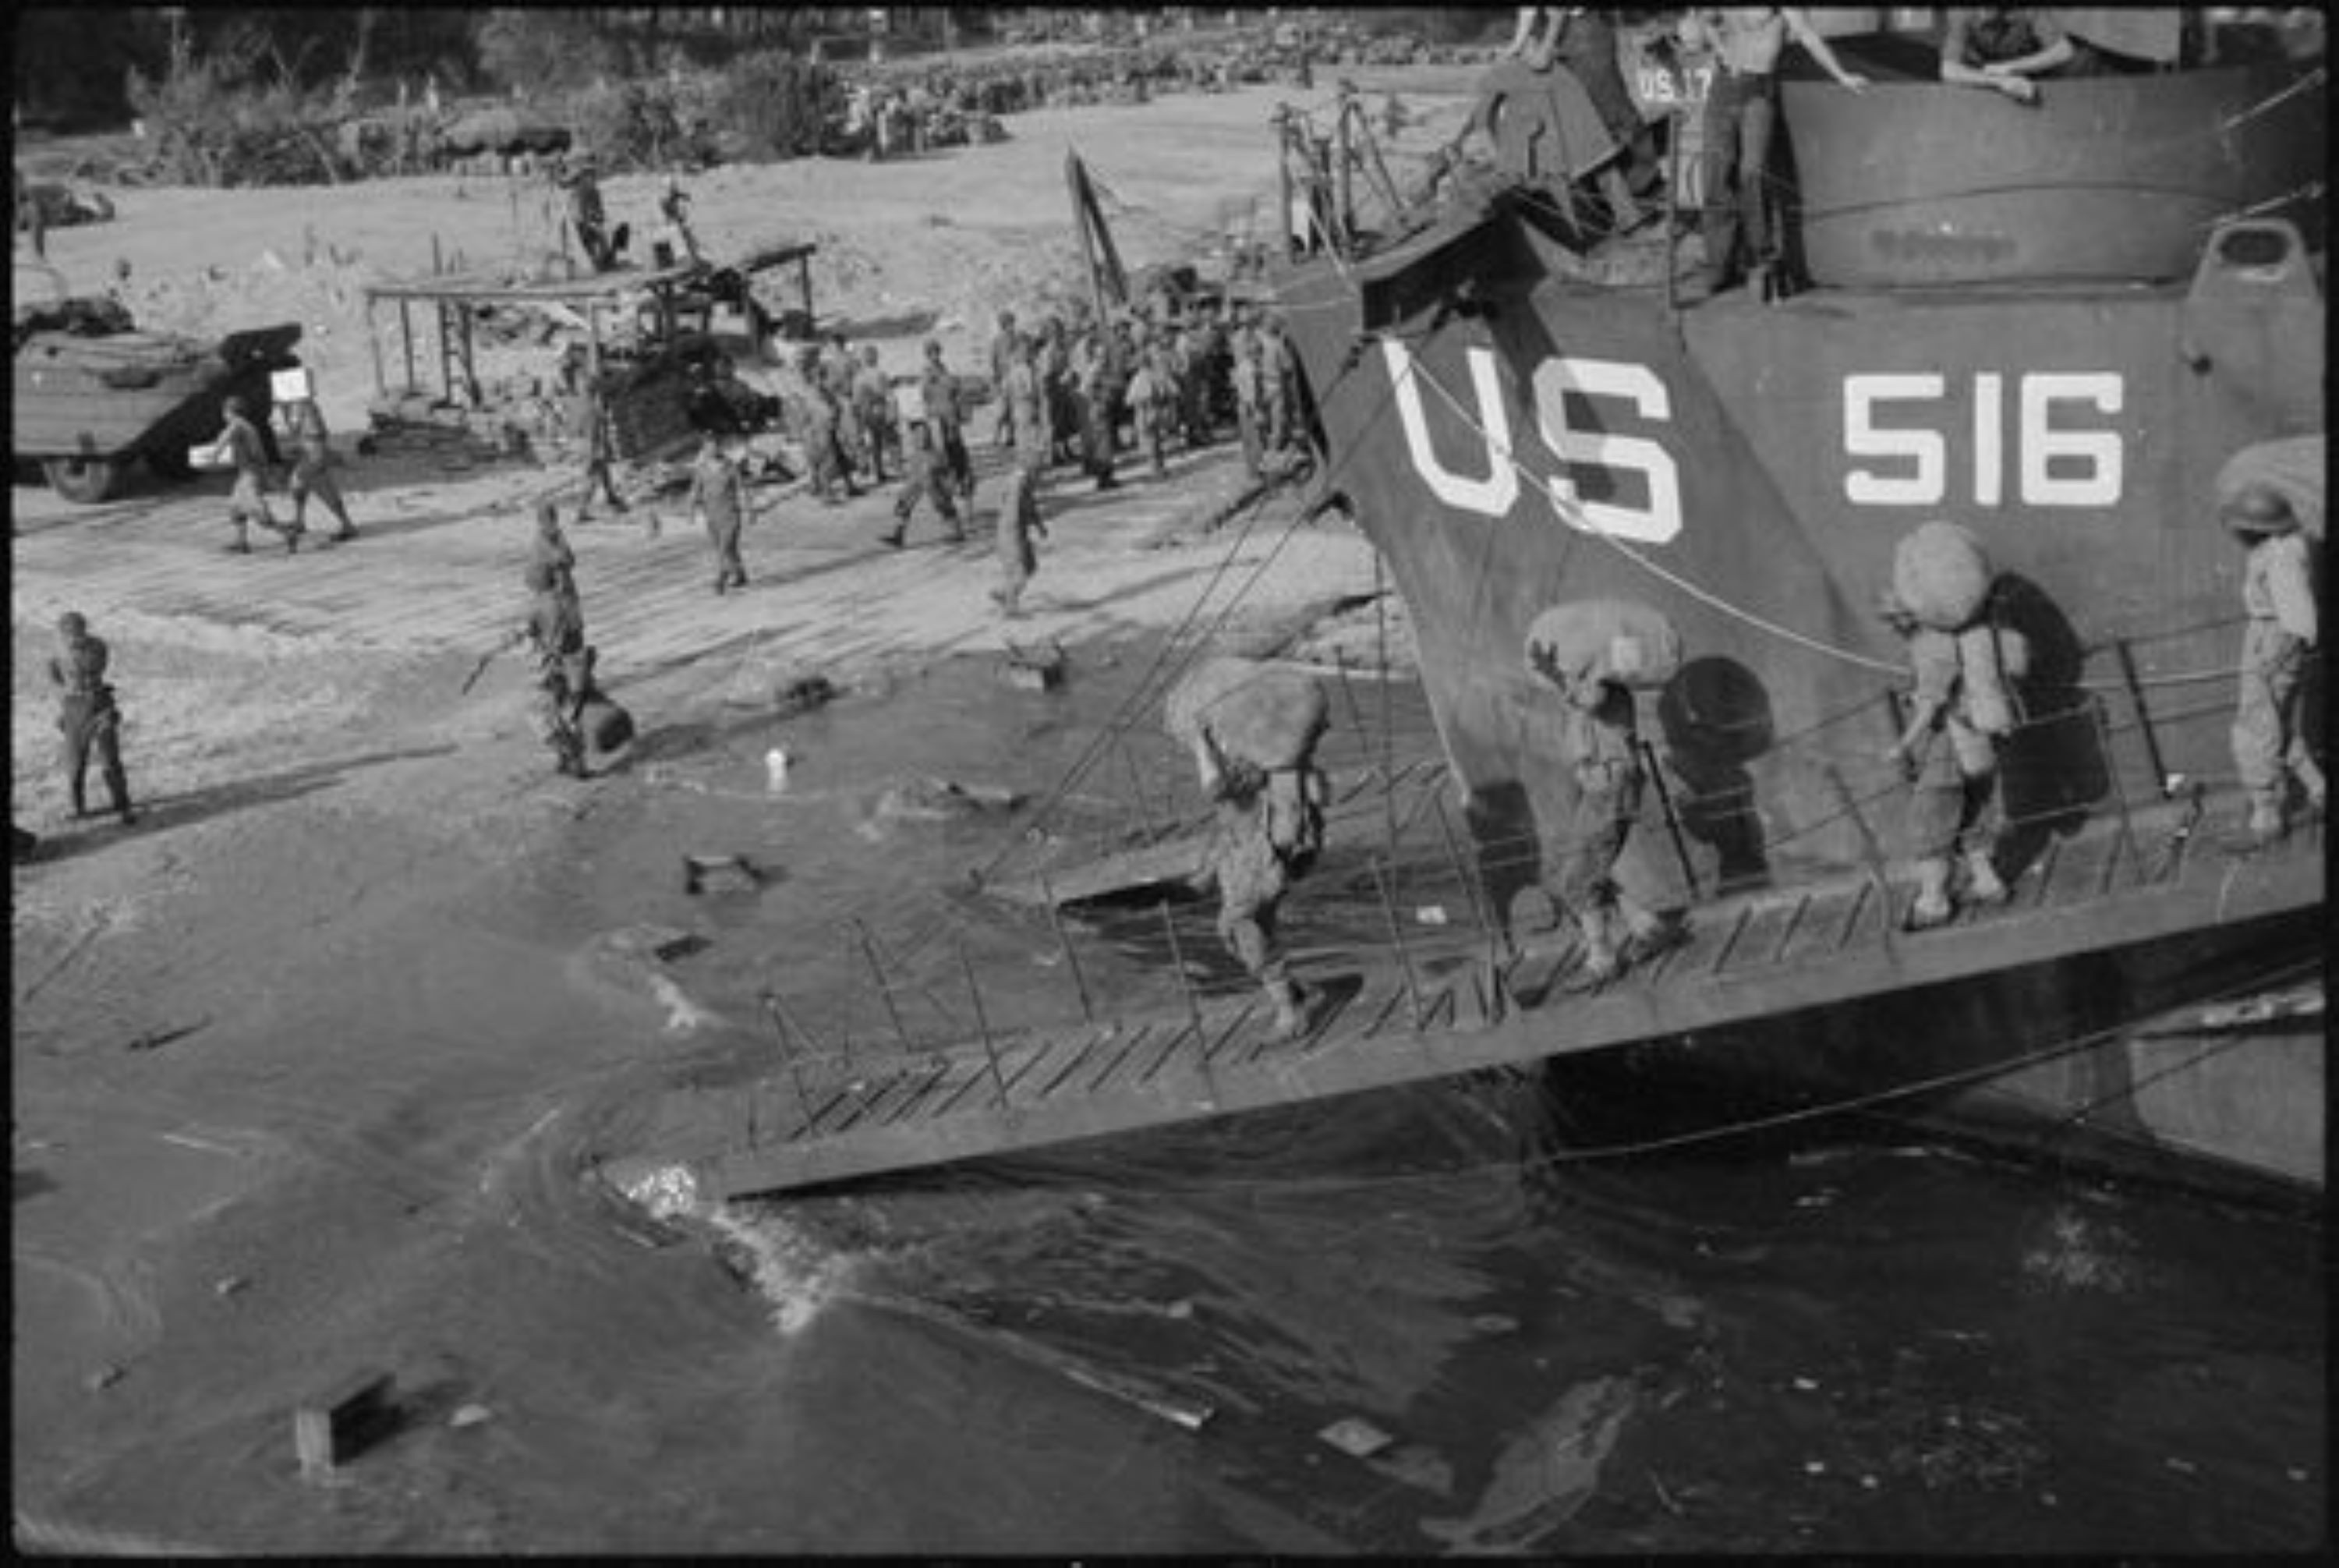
289	386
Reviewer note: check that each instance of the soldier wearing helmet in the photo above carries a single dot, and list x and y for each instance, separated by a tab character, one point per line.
86	715
2270	750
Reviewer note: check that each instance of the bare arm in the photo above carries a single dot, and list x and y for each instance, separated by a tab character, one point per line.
1800	26
2050	57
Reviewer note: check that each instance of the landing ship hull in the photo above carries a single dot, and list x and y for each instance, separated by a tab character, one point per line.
1513	434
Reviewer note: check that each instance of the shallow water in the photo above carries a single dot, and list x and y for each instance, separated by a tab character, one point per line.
1841	1344
1849	1342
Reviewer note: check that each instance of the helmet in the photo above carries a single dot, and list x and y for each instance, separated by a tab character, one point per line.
547	515
71	623
236	405
2258	509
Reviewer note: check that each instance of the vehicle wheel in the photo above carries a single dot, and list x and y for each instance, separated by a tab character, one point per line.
83	479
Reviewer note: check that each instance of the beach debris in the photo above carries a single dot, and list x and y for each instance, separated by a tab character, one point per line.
662	943
229	1286
775	770
1548	1473
720	873
929	799
1034	669
152	1039
1416	1465
801	693
1806	1384
1355	1437
1494	1323
1430	914
470	1415
336	1425
104	1377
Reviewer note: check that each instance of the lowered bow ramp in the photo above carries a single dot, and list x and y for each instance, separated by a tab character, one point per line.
1431	1011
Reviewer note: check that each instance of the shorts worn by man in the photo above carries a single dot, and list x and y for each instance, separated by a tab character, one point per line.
1019	518
86	715
2270	746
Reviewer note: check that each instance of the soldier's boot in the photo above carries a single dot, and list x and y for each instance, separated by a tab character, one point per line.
1292	1008
1982	883
1932	906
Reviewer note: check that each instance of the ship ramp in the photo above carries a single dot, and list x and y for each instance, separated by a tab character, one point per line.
1437	1004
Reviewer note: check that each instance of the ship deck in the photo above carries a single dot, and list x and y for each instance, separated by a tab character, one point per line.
1444	1004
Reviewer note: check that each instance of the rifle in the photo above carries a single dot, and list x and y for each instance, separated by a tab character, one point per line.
481	667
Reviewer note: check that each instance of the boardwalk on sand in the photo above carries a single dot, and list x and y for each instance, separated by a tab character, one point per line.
1432	1010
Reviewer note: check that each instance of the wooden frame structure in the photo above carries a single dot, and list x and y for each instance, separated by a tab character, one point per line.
454	297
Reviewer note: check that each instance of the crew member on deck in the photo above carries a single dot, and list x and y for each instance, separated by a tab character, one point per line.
2004	47
1741	114
2269	747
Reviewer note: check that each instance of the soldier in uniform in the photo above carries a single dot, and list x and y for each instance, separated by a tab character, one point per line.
312	461
550	548
1249	376
1019	518
718	495
946	421
86	715
1952	767
839	368
1269	830
555	630
247	502
1279	370
590	408
1003	361
873	404
2278	595
1152	398
1599	739
923	480
816	427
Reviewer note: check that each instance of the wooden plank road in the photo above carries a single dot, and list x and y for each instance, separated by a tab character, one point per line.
1446	1010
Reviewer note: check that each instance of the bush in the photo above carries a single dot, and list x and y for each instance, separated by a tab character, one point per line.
775	105
212	125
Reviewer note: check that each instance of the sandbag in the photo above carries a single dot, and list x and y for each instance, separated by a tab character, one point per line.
1619	640
605	726
2292	468
1940	572
1991	660
1271	719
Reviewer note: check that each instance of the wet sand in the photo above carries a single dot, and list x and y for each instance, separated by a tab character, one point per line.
304	1064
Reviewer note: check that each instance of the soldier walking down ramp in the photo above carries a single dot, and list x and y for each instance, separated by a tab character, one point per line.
1254	731
247	502
555	629
86	715
2278	595
313	468
718	495
550	548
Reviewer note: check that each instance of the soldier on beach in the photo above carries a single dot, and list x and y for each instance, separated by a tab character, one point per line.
550	548
2270	749
718	495
817	417
581	179
87	717
873	403
247	502
923	480
313	466
1019	518
555	630
946	420
590	415
1003	355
